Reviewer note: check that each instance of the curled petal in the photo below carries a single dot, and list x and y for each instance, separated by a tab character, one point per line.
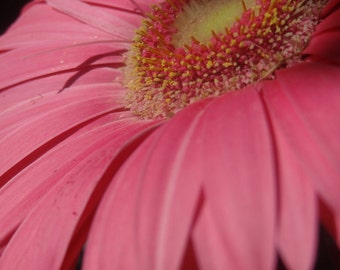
324	44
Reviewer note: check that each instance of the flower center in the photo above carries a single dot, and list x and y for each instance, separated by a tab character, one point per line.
200	18
187	50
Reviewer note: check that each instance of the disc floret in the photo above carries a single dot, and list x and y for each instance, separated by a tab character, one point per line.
164	74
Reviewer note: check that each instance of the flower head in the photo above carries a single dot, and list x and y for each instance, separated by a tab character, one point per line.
232	180
188	50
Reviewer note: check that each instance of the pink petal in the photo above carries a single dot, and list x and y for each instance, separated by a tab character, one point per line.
142	6
329	22
31	28
33	91
34	50
239	186
51	225
96	17
209	245
305	120
159	190
145	217
306	113
33	108
324	44
50	59
330	7
55	121
25	189
297	221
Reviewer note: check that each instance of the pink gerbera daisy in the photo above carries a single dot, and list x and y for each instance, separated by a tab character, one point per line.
177	134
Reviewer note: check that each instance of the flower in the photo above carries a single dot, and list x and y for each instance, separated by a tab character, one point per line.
234	181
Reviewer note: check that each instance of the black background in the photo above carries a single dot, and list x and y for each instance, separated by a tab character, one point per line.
9	11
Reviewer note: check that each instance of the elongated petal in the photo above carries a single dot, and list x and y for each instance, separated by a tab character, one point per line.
239	187
50	226
33	91
25	189
166	178
55	122
210	247
31	29
32	108
297	219
306	123
155	194
95	17
50	59
141	6
311	123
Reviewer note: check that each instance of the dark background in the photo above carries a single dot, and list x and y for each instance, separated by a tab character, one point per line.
9	11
